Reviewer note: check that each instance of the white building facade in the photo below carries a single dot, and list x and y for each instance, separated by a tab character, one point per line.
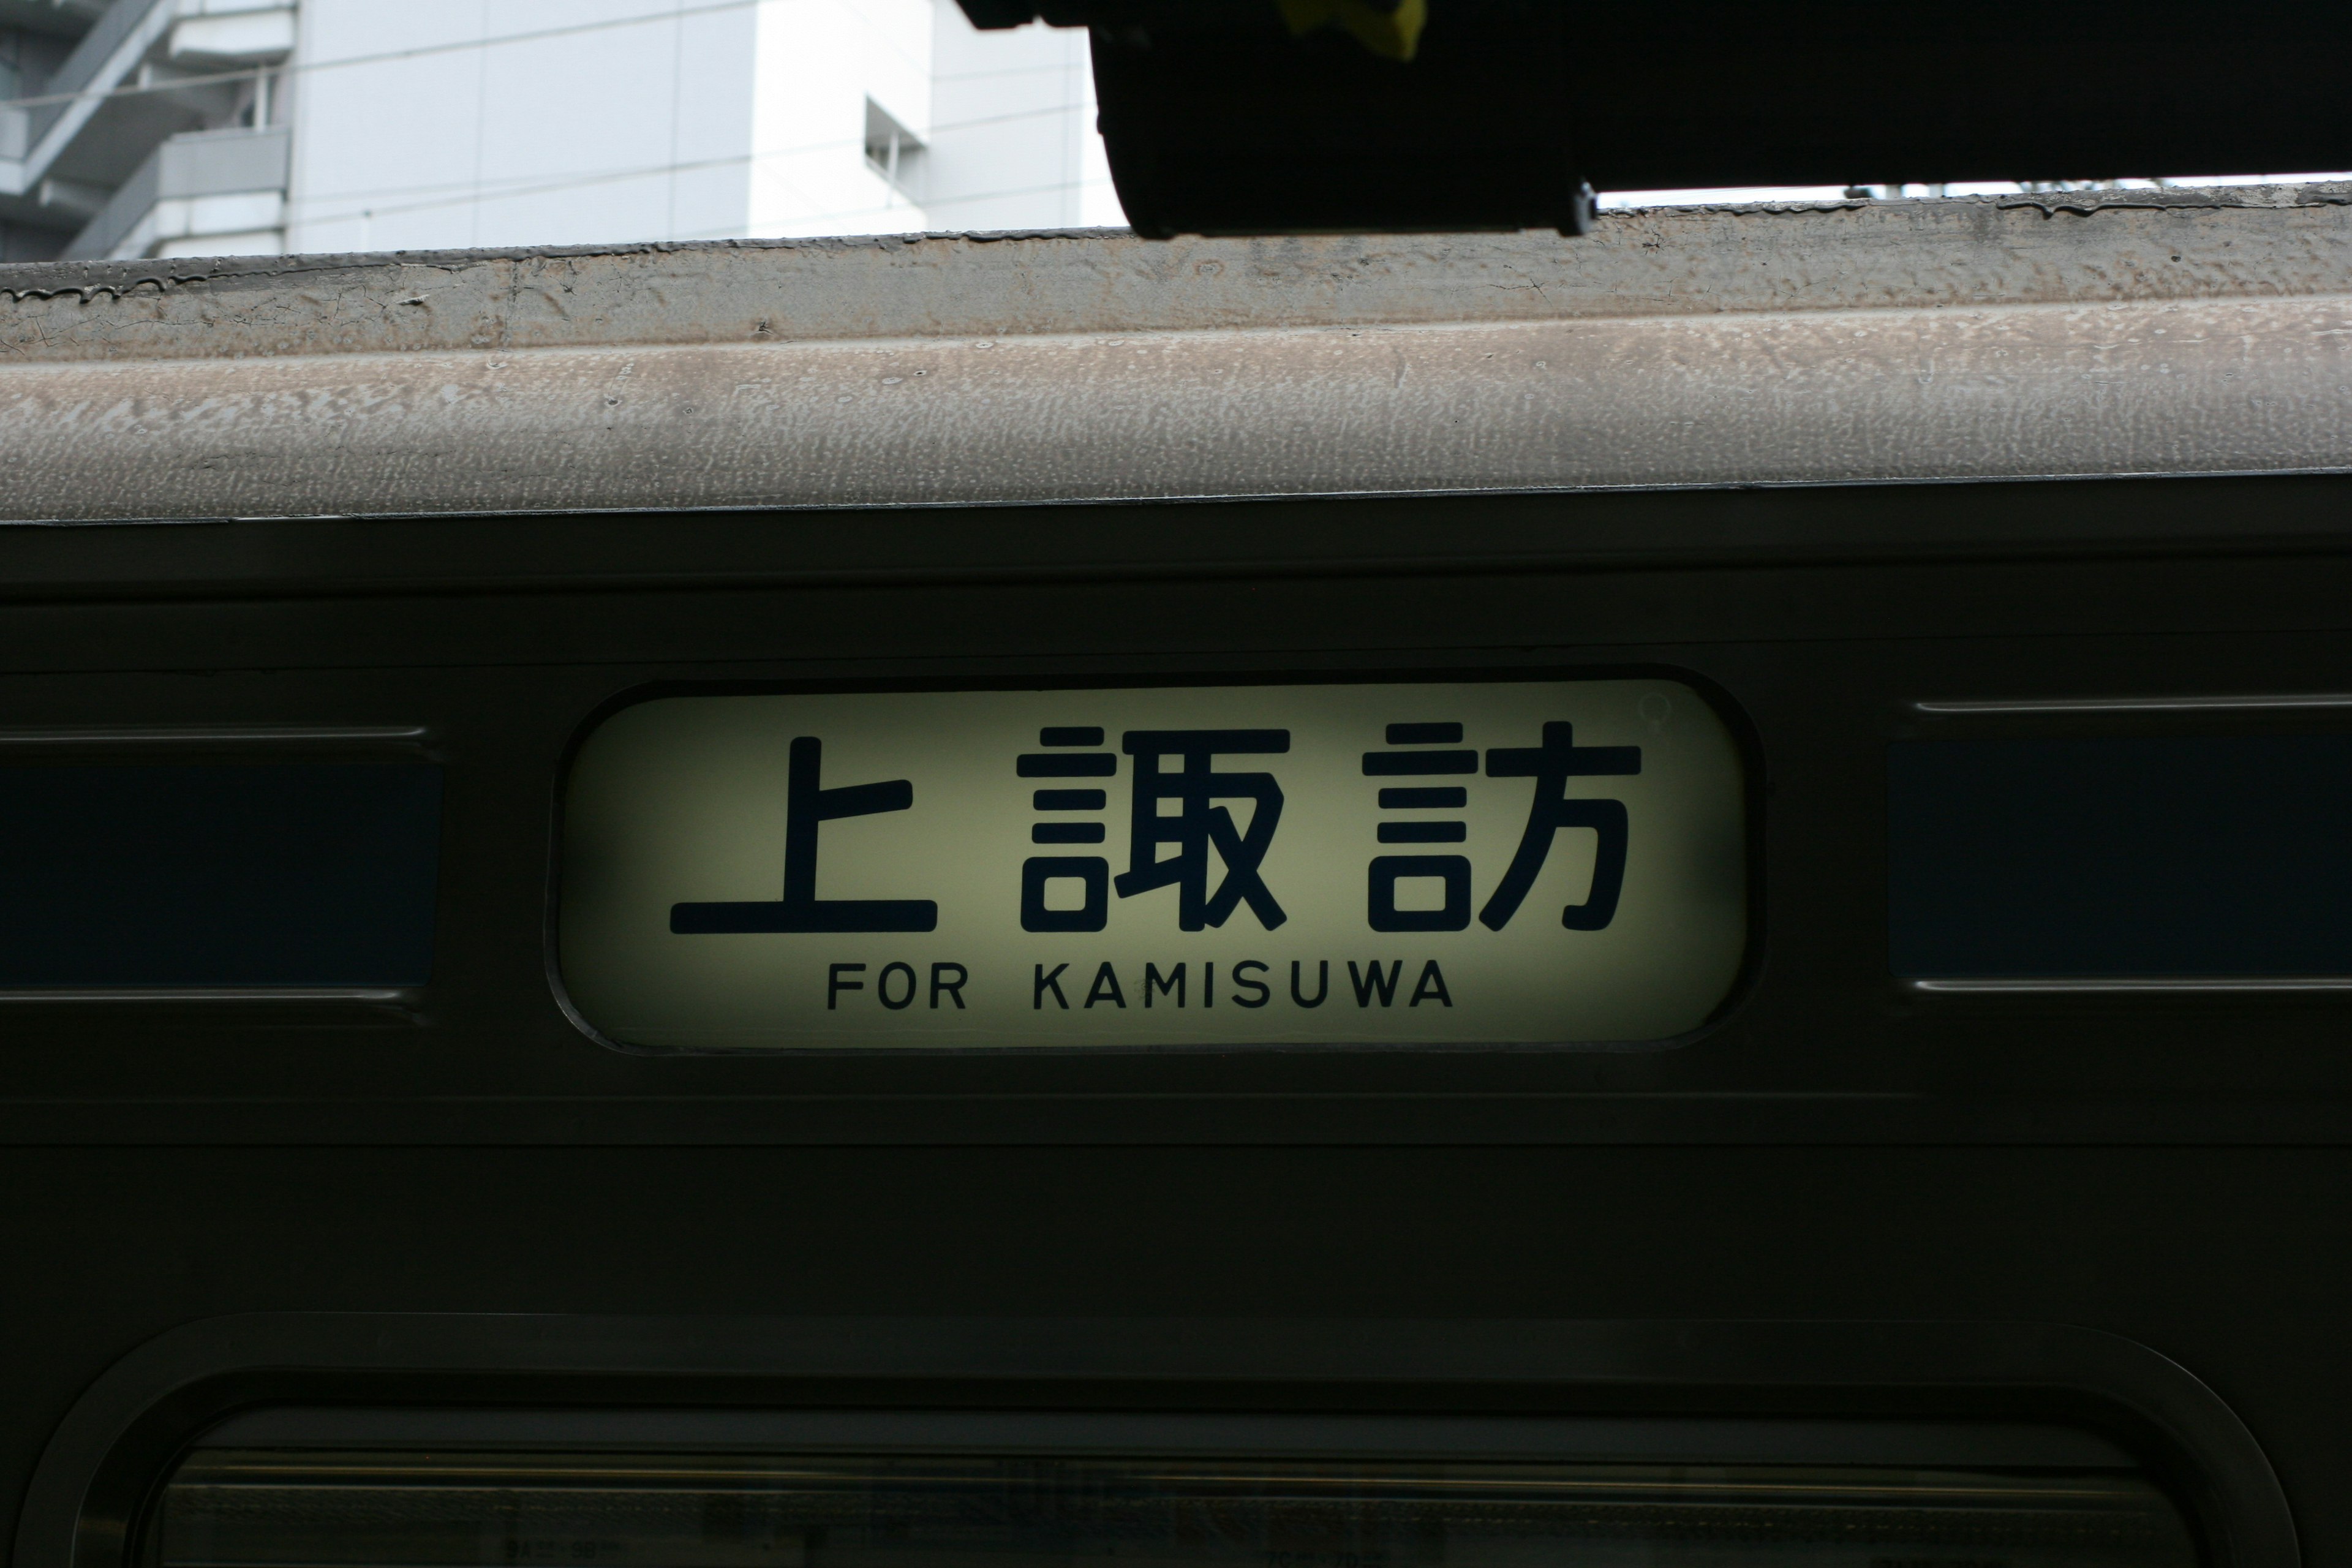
133	128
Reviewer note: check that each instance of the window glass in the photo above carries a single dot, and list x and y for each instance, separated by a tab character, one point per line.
737	1509
2121	855
211	875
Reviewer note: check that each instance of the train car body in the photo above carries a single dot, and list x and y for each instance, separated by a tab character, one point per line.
633	878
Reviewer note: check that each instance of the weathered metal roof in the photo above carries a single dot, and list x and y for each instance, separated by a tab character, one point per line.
2086	333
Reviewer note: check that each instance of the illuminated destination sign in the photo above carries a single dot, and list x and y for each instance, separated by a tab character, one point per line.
1488	863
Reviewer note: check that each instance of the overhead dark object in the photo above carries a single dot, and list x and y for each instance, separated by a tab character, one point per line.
1224	117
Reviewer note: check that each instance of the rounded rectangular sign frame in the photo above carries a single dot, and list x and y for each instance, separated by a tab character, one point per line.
1482	863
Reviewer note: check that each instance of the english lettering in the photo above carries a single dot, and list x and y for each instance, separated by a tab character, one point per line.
1170	984
1376	982
1105	988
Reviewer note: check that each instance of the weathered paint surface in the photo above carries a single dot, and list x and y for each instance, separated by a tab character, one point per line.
2158	332
2081	247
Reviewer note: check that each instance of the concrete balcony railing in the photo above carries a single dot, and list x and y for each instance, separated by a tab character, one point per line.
217	191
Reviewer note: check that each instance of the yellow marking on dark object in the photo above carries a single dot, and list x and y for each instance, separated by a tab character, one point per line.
1392	33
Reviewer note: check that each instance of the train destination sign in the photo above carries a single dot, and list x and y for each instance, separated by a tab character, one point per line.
1510	862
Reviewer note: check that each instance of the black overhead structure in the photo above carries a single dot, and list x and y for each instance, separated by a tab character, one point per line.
1297	116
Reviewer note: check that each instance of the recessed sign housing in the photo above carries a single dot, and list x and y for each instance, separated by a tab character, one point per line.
1490	863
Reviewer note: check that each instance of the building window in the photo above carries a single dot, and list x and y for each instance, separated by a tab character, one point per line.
894	151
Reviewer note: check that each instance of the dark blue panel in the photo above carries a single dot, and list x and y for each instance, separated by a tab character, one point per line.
296	875
2124	855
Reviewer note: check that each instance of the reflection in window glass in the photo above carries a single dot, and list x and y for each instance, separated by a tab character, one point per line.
260	1506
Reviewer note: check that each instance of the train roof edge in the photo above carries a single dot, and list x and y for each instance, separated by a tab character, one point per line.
2065	334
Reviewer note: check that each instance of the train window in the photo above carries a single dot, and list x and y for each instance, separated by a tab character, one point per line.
1489	862
2121	855
217	876
665	1506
